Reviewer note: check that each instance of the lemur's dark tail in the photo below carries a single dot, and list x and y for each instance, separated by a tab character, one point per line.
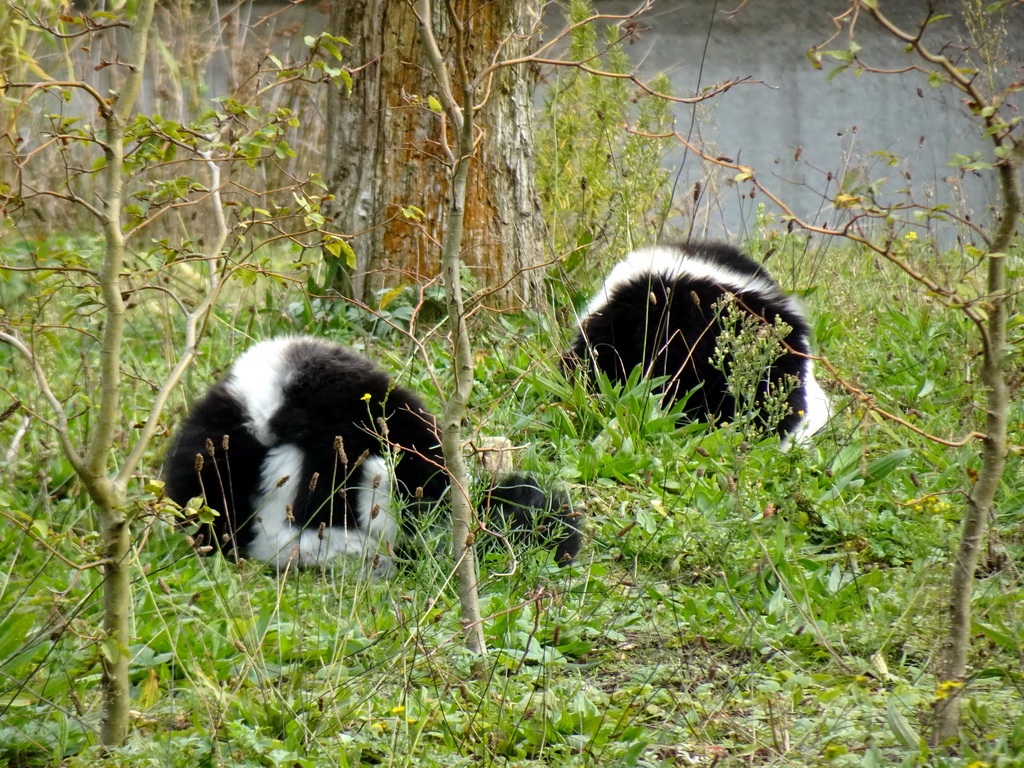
518	505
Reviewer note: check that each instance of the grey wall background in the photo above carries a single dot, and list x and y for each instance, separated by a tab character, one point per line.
796	126
837	124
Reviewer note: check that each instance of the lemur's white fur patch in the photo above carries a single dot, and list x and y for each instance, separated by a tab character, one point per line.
278	540
672	263
257	379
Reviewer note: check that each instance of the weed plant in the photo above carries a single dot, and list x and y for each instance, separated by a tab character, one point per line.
604	190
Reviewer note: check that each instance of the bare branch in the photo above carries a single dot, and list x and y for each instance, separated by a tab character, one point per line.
436	61
90	24
709	93
999	130
101	104
193	321
569	28
747	174
869	402
61	426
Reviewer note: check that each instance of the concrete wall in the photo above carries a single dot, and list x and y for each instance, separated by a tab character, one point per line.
834	126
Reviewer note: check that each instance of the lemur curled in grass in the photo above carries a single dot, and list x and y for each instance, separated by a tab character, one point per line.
310	453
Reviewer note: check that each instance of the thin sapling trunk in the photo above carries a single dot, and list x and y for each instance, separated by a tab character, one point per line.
463	513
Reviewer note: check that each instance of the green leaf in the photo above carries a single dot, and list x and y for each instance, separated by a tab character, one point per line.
884	466
746	174
13	632
111	649
207	515
282	150
17	700
836	72
247	277
1000	637
337	247
41	527
346	78
900	727
332	49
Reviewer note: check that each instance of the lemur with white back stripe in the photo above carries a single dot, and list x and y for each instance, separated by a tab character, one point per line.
662	308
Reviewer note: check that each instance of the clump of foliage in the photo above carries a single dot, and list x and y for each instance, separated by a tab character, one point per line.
746	350
599	170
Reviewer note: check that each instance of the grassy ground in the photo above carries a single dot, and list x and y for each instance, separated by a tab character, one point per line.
734	605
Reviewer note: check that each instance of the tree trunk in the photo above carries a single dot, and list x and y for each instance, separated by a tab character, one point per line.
110	495
384	157
117	604
953	663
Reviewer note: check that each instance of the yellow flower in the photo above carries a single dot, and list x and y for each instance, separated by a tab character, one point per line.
911	235
366	398
945	688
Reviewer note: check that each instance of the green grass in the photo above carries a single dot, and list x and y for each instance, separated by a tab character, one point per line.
734	605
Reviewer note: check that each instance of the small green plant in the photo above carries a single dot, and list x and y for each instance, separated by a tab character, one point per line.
603	187
747	348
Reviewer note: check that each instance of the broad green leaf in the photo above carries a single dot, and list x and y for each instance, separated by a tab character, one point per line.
900	727
13	632
337	246
884	466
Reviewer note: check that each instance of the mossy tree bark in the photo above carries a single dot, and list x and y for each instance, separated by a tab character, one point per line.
384	157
